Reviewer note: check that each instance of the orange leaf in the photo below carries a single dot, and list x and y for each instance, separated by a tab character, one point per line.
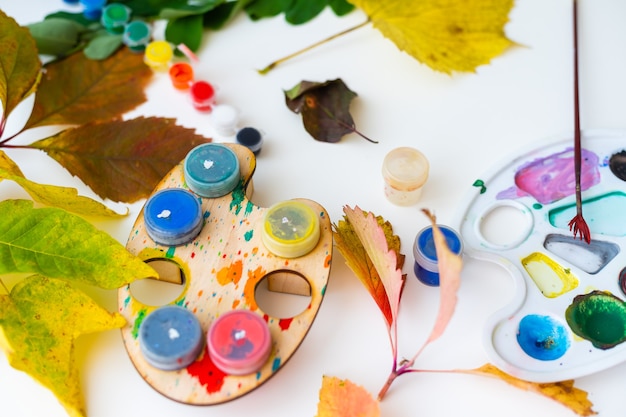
342	398
77	90
564	391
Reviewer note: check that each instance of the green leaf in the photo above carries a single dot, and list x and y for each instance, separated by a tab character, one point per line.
62	197
57	244
140	151
325	109
340	7
187	30
151	8
260	9
20	68
78	90
39	322
217	18
75	17
103	46
189	9
303	11
56	36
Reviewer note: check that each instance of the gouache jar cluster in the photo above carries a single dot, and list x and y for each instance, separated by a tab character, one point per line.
239	342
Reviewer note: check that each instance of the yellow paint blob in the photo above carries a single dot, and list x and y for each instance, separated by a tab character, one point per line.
551	278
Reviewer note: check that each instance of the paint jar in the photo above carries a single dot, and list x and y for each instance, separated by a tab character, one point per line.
405	171
224	119
251	138
158	55
137	35
114	17
239	342
181	74
173	216
92	9
426	265
290	229
211	170
170	338
202	95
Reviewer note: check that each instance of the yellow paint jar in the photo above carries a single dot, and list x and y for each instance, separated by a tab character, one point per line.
405	171
290	229
158	55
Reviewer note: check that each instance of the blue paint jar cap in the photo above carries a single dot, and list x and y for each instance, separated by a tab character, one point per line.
425	253
173	216
170	338
211	170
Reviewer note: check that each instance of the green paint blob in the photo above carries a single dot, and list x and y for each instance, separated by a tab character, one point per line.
599	317
140	316
248	235
537	206
170	252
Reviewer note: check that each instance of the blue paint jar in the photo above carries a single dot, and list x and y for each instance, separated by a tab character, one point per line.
170	338
173	216
92	9
211	170
426	266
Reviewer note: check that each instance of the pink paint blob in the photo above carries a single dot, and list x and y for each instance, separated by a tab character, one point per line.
552	178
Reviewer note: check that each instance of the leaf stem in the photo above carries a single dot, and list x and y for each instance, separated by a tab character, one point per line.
3	285
308	48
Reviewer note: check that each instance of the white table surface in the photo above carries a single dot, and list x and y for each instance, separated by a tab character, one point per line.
463	123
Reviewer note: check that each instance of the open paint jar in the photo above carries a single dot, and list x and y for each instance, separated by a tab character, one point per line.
426	266
405	171
211	170
239	342
290	229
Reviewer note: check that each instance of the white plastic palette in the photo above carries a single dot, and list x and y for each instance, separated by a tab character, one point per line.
568	316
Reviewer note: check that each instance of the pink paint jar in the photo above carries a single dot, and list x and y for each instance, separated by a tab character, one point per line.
405	171
239	342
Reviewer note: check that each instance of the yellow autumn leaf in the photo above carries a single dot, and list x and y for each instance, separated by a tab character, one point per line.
564	391
342	398
446	35
39	322
51	195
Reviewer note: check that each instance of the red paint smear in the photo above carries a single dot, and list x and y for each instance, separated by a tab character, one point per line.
193	255
266	318
285	323
207	373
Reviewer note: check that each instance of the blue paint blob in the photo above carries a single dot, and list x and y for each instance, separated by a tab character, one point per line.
276	364
173	216
542	337
211	170
170	338
426	266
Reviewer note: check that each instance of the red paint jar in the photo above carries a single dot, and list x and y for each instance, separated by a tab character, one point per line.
239	342
202	95
181	75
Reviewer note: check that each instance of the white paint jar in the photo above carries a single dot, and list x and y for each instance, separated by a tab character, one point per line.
405	171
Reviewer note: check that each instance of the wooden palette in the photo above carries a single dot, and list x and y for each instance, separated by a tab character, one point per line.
220	271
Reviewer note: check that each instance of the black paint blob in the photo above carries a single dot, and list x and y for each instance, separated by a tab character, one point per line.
617	164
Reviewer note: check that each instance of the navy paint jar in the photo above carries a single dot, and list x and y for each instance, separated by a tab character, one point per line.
426	266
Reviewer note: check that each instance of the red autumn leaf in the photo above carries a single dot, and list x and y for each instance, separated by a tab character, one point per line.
122	160
325	109
78	90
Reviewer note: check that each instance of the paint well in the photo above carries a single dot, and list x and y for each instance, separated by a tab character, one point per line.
543	337
551	278
505	225
599	317
590	257
604	214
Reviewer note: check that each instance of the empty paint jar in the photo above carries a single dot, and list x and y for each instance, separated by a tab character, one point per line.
170	338
173	216
290	229
405	171
211	170
426	265
114	17
239	342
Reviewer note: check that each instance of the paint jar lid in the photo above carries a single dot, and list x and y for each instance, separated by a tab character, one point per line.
251	138
137	34
290	229
92	9
158	54
211	170
181	74
424	250
170	338
239	342
114	17
173	216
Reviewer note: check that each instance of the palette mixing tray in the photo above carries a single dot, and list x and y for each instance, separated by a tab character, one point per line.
567	317
219	272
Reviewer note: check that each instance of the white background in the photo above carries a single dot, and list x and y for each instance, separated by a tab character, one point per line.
463	123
